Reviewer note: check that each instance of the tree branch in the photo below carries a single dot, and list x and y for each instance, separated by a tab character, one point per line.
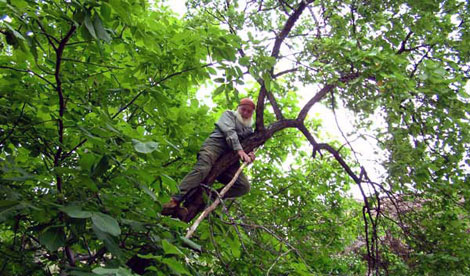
48	36
288	27
403	43
14	125
320	94
91	63
277	110
28	71
260	109
277	75
59	52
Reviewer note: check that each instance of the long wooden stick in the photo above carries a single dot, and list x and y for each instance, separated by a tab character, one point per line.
215	203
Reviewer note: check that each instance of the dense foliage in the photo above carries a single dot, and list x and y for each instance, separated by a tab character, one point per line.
100	119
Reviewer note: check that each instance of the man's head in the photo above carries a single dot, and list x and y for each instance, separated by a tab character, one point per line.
245	111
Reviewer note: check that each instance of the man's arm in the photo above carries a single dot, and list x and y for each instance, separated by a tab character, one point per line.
226	124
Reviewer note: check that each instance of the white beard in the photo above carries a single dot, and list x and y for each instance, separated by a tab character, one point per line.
245	122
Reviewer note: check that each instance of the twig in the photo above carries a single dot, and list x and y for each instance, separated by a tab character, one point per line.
28	71
277	259
14	125
215	203
225	208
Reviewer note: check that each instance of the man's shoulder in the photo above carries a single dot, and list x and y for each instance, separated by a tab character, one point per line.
229	113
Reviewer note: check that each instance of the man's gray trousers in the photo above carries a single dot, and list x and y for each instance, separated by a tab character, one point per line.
210	151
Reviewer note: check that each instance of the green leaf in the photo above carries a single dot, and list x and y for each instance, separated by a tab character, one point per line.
100	31
191	244
101	167
211	71
74	211
15	33
267	81
89	25
144	147
175	266
171	249
109	241
121	271
244	61
52	238
5	204
146	189
105	10
106	223
219	90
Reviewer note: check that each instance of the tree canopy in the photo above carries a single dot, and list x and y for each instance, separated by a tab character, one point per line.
101	118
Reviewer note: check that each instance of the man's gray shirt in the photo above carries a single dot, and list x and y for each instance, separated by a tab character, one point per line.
230	128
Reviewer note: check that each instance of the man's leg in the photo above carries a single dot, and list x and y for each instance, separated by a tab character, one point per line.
207	156
241	185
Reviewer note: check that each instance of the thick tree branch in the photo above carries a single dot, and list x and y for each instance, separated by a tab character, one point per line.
277	110
260	109
288	27
320	94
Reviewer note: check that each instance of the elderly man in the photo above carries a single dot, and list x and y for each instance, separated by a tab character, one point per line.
232	127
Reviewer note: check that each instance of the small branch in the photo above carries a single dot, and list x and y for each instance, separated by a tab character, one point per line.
339	127
420	61
98	254
254	226
74	149
70	255
403	43
215	203
226	210
277	259
30	72
14	125
320	94
48	36
171	161
277	75
310	138
91	63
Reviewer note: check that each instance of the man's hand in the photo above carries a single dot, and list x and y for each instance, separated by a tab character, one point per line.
252	156
246	157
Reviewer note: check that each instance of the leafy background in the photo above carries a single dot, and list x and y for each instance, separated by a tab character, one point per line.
100	120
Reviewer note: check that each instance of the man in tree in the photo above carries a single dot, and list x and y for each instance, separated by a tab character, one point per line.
231	127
